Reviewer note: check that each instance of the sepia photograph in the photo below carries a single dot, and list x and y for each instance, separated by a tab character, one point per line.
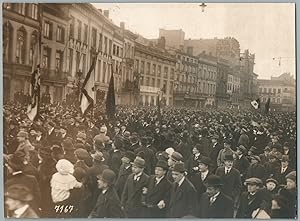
149	110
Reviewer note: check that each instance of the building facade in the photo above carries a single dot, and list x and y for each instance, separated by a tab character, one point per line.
155	69
281	91
21	28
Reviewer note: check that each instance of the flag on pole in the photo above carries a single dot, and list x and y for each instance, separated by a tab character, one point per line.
110	98
267	106
33	107
256	103
88	89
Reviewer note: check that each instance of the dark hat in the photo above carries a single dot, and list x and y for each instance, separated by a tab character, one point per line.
16	160
68	144
205	160
163	155
242	149
179	167
139	162
253	149
81	154
79	173
228	157
141	154
213	180
253	180
198	147
63	126
292	176
227	141
19	192
23	134
118	142
163	164
45	152
284	158
176	156
130	155
255	157
108	176
57	150
81	135
214	136
272	180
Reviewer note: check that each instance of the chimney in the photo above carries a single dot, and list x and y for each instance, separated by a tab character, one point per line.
122	25
106	13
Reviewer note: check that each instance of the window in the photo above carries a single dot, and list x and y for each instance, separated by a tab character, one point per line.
264	99
60	34
153	82
79	30
279	90
278	100
94	37
172	74
270	90
33	11
137	65
153	69
104	72
105	45
58	61
99	71
114	49
48	30
142	67
265	90
7	6
100	42
147	81
158	83
166	70
148	68
20	8
20	53
260	90
110	47
159	71
72	28
70	60
33	42
77	61
274	90
118	51
84	62
46	57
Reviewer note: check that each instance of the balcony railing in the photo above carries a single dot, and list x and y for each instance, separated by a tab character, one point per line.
53	76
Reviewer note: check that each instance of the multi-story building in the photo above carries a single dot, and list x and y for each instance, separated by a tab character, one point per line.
174	38
155	69
54	50
21	28
233	88
222	97
281	91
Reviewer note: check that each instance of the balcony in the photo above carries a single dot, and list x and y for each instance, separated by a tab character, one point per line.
190	95
52	76
130	86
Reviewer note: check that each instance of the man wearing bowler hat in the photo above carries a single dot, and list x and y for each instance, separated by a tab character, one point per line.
157	192
183	200
132	193
231	179
108	203
124	172
285	169
17	198
214	203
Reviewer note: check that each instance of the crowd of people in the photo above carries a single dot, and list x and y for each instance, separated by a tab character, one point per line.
205	163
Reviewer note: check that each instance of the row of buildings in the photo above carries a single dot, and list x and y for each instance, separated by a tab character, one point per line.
195	73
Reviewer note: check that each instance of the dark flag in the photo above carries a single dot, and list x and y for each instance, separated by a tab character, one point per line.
110	98
256	103
158	109
267	106
87	90
33	107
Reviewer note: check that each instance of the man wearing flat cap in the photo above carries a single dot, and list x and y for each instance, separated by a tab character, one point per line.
214	203
256	169
133	190
157	193
108	203
241	163
183	197
173	159
17	198
253	199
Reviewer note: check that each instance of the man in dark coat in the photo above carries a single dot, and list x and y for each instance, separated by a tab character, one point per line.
256	169
244	139
291	153
108	203
214	151
158	192
214	203
285	169
115	155
149	155
199	179
241	163
132	193
69	149
124	172
183	200
51	134
253	199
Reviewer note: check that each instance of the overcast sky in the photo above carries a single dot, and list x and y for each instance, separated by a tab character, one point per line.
266	29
